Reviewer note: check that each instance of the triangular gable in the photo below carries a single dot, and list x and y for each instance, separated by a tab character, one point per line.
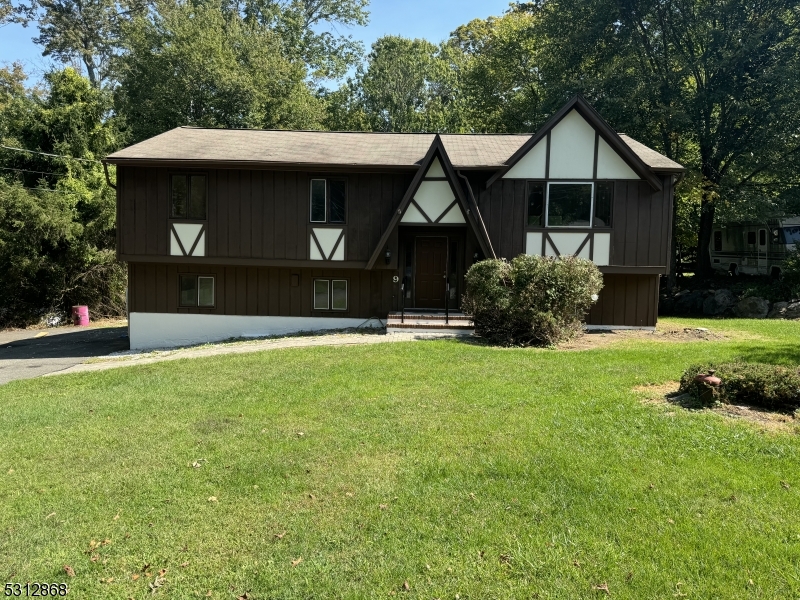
574	142
435	196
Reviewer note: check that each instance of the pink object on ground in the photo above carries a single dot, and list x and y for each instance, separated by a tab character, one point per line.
80	316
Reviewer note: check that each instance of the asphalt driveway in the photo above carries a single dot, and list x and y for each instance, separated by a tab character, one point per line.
27	353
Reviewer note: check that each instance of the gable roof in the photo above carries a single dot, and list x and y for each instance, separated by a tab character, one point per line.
436	151
587	111
240	147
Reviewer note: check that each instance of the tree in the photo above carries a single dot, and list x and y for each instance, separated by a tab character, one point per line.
407	85
199	65
57	214
710	83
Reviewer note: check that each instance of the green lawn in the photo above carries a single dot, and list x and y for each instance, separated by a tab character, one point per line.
466	471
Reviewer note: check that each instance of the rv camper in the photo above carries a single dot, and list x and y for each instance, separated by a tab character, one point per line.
754	248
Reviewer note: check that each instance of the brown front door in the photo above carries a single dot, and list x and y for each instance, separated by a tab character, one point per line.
429	278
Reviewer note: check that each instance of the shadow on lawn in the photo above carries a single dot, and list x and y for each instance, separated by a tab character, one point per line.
776	354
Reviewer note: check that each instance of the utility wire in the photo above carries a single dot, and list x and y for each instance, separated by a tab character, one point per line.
30	171
48	154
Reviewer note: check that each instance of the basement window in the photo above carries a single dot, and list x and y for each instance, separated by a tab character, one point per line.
330	294
189	197
569	204
196	290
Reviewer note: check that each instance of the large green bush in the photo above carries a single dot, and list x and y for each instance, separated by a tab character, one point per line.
753	384
531	301
791	273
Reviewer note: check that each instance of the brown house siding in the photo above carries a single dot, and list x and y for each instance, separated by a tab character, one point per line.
628	300
640	221
260	291
257	214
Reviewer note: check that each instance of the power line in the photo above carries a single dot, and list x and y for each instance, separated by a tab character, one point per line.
30	171
48	154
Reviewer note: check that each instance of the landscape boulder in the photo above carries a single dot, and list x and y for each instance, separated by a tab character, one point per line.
785	310
689	303
752	308
721	302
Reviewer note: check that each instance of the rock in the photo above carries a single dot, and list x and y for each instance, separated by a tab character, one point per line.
666	306
785	310
752	308
690	304
719	303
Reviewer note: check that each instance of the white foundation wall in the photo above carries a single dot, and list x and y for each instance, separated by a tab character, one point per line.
168	330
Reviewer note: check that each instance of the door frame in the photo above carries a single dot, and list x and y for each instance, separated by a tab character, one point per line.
446	239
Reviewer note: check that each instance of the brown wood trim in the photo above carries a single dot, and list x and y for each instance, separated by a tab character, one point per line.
419	208
435	179
197	239
316	242
552	245
241	262
273	166
591	248
585	241
446	210
336	245
177	239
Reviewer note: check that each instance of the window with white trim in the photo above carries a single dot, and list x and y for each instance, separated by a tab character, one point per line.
196	290
330	294
582	204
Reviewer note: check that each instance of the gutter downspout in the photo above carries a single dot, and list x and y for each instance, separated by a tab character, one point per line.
478	215
108	178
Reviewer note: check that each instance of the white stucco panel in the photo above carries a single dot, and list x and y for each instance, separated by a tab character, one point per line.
434	197
435	170
533	243
548	249
572	148
531	166
339	253
174	247
200	249
610	165
167	330
568	243
602	249
412	215
187	233
327	239
454	215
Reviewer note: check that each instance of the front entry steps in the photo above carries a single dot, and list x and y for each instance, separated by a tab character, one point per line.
457	324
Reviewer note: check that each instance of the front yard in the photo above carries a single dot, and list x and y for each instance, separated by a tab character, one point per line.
434	469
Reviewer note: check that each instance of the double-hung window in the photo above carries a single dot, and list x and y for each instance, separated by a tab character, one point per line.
196	290
330	294
328	200
189	197
570	204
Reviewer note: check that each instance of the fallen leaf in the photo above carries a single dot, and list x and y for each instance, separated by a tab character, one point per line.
750	582
145	567
110	580
576	563
185	564
162	572
280	535
785	485
208	595
300	434
69	571
116	517
349	494
312	496
95	557
297	561
603	587
406	587
670	521
505	558
50	515
212	499
135	576
10	471
652	487
382	507
244	596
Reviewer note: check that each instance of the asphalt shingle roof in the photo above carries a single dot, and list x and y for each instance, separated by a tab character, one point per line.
338	148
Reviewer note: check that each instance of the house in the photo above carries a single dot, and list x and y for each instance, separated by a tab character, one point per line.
231	233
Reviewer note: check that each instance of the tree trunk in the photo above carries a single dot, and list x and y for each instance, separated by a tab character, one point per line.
707	210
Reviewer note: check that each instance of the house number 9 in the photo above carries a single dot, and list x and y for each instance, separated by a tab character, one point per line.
395	279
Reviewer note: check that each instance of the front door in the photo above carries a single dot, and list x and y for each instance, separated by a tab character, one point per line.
431	272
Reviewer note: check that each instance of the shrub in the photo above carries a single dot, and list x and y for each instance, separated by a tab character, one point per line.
755	384
791	272
531	301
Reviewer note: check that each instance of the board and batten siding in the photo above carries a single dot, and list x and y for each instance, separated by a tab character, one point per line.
258	214
259	291
640	221
626	300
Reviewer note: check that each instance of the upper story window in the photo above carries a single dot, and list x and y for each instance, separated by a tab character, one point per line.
189	196
328	200
578	204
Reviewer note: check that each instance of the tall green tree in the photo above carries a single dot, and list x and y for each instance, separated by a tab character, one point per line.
196	64
710	83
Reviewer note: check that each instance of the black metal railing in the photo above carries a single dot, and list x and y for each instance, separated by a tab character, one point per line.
403	301
447	302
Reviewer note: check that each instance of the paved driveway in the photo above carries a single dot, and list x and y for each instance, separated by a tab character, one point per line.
23	355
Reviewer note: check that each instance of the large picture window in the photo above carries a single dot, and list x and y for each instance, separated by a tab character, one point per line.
188	195
328	200
569	204
196	290
330	294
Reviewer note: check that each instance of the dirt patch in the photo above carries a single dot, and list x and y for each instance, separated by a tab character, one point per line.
667	394
599	338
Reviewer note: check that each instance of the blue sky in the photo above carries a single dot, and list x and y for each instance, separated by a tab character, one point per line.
429	19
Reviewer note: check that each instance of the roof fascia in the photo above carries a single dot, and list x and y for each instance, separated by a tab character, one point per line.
259	166
588	112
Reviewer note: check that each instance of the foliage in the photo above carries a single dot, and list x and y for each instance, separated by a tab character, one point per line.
532	300
790	275
754	384
57	215
194	64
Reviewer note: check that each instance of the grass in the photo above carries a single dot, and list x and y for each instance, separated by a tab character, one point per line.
465	471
